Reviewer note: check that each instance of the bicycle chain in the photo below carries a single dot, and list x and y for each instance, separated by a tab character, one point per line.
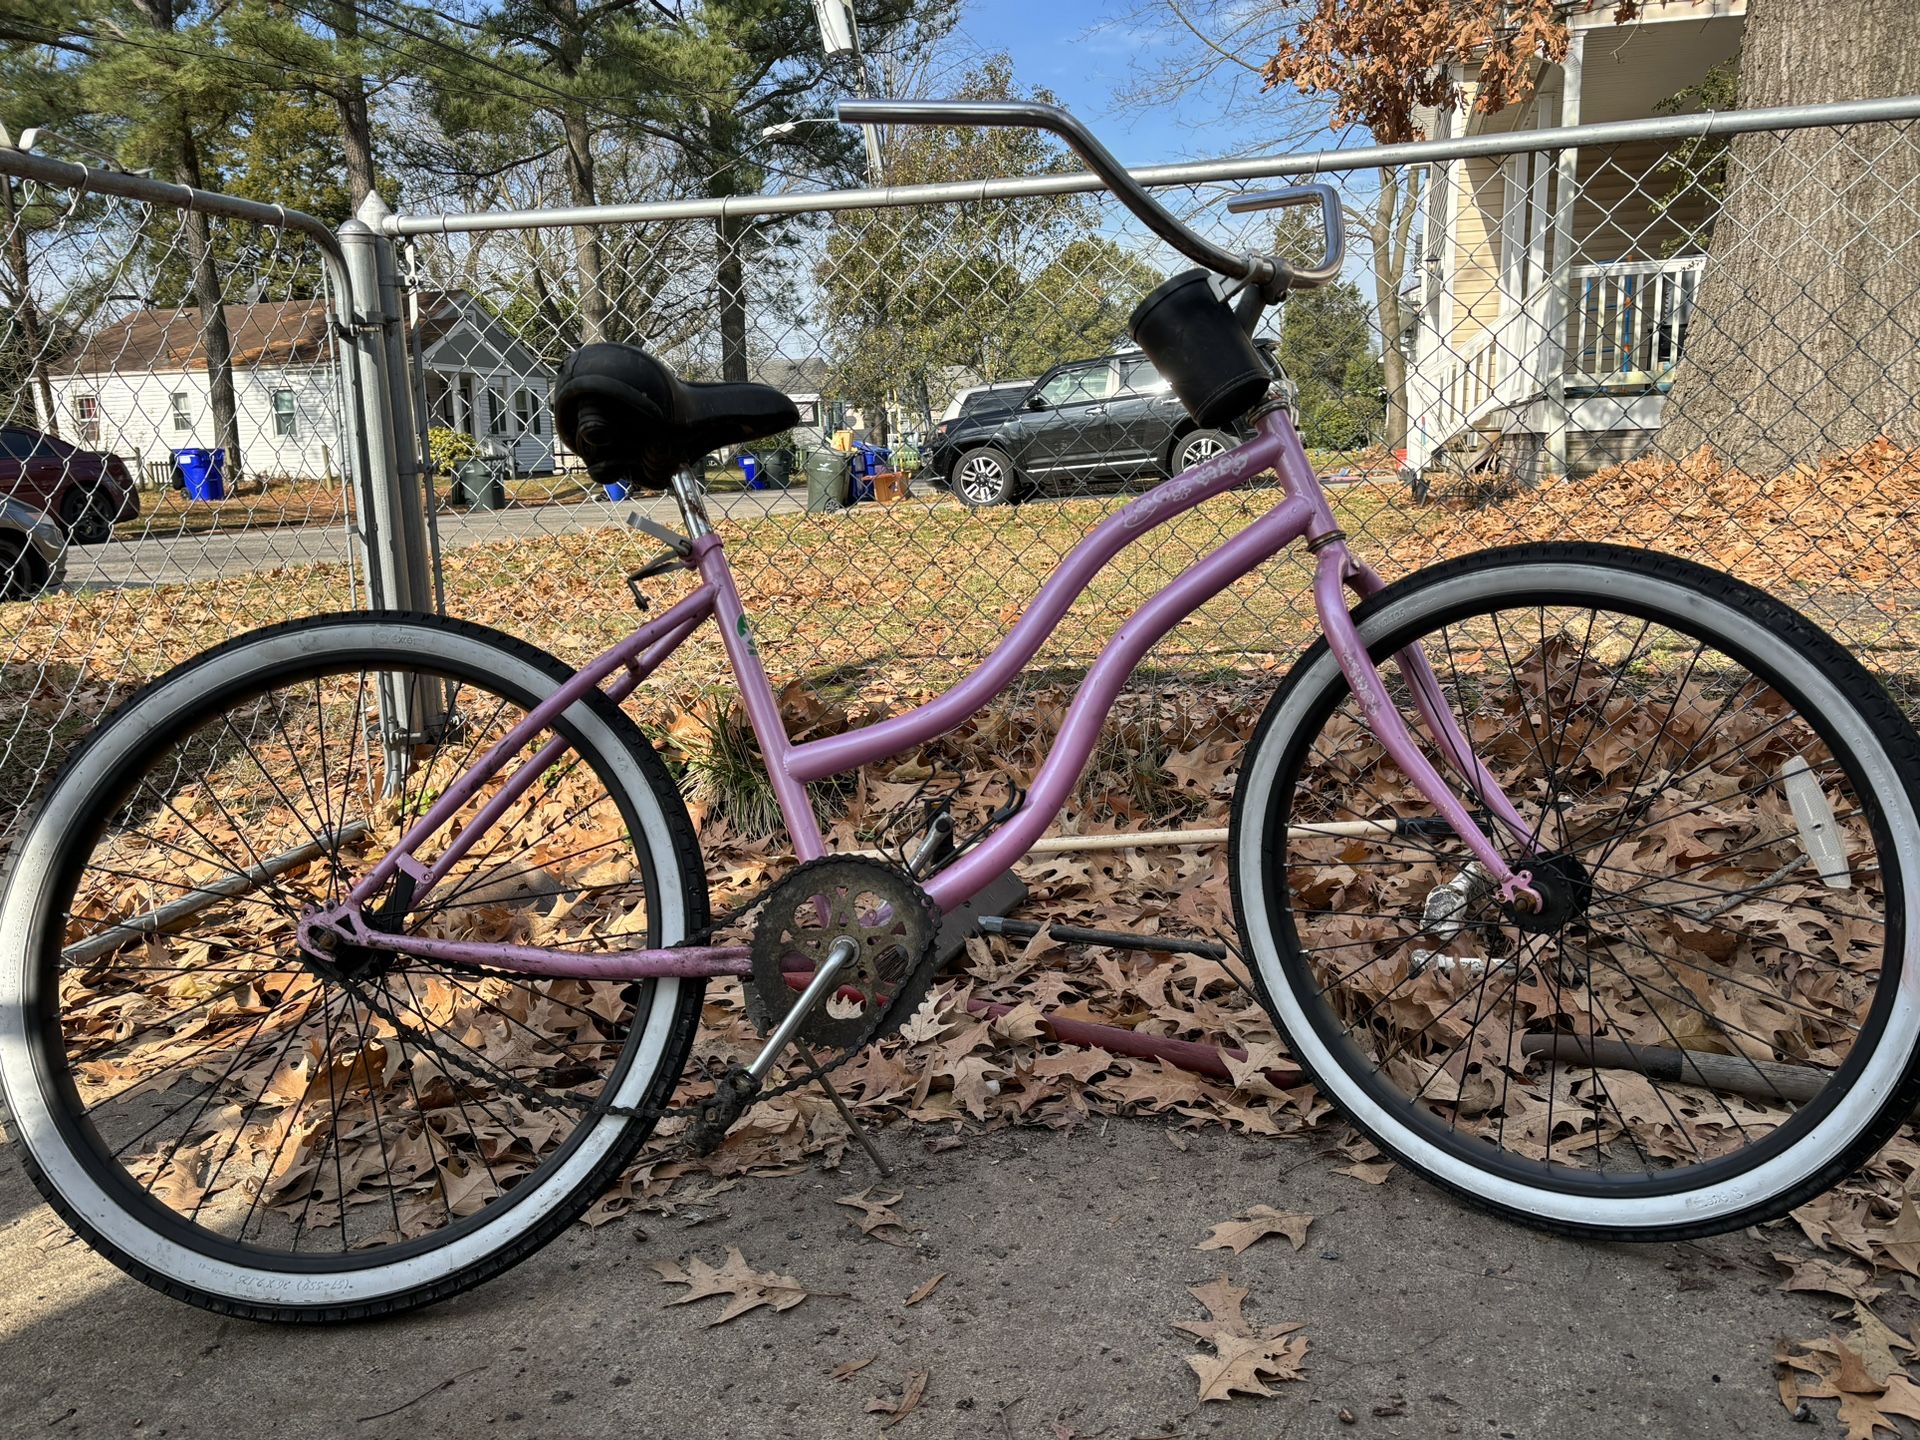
651	1113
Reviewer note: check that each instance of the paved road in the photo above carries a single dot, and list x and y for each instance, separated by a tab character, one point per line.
177	560
1067	1259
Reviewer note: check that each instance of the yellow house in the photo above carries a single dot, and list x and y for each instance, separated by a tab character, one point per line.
1558	284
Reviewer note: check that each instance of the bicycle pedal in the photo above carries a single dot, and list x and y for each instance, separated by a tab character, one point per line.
731	1097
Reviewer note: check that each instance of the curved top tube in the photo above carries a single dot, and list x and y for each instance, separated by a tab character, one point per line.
1301	512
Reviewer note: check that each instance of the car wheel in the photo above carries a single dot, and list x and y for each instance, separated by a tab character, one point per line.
984	477
23	574
85	517
1199	445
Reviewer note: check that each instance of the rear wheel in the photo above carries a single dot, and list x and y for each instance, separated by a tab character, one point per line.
86	516
280	1134
1708	1023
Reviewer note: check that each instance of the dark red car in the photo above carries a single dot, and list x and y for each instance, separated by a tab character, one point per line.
86	493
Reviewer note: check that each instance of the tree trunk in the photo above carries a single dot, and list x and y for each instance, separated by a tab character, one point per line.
1801	343
356	124
213	315
356	128
589	257
25	311
731	278
1390	224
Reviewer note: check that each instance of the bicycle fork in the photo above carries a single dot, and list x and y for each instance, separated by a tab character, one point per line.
1337	571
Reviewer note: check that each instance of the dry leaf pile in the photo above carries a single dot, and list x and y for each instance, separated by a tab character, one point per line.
1849	520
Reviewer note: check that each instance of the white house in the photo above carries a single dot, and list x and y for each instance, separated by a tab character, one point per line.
1559	286
139	387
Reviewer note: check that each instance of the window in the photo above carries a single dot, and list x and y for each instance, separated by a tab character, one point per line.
86	410
286	420
1138	377
181	419
18	444
526	412
1078	386
497	413
809	412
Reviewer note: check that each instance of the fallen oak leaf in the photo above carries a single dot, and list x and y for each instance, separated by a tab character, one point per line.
926	1289
1242	1364
852	1367
1824	1277
1901	1239
748	1287
1244	1359
875	1215
897	1407
1256	1224
1374	1173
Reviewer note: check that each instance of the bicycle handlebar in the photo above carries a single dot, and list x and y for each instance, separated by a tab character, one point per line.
1033	115
1333	224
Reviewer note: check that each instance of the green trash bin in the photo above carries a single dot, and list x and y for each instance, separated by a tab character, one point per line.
826	481
776	467
477	486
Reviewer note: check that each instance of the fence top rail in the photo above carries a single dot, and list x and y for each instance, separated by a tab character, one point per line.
25	165
1269	167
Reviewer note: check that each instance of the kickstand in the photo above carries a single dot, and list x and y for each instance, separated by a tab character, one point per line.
853	1125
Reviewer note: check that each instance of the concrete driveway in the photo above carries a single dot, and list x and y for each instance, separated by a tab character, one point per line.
1067	1259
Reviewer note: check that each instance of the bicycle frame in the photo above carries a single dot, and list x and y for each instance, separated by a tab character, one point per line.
1302	513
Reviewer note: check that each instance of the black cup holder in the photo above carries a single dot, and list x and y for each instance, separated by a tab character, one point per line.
1195	341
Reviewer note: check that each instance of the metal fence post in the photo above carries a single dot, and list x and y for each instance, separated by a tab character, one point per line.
393	521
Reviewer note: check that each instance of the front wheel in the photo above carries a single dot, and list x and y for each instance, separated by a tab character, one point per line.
1198	446
1709	1022
281	1134
984	477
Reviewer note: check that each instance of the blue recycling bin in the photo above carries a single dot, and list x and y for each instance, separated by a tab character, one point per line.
202	473
750	467
865	461
616	491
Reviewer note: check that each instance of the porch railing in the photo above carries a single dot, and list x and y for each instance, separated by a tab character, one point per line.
1626	324
1628	320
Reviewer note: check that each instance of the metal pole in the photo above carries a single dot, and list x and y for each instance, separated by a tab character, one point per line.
373	420
383	502
1559	316
409	532
1271	167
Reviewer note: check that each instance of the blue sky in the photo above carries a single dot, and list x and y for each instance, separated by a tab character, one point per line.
1086	50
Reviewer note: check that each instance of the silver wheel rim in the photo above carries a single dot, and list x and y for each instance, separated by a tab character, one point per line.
1198	449
981	480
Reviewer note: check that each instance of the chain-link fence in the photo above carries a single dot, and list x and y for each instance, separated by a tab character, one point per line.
1687	333
175	451
1694	334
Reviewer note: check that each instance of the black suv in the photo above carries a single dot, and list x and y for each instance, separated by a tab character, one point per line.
1084	422
980	413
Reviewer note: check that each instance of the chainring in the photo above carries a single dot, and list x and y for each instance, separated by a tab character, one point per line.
882	910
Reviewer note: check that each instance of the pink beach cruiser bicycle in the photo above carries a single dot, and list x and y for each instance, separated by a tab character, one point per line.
348	962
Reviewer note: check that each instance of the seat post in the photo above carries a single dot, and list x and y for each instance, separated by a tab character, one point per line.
689	493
